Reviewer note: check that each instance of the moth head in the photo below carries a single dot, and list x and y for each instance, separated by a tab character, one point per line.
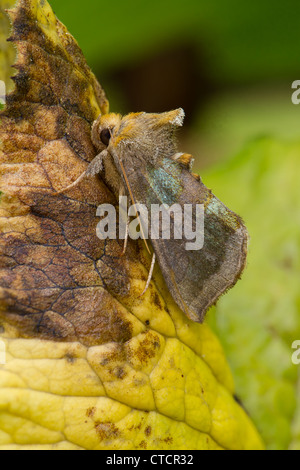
104	128
147	134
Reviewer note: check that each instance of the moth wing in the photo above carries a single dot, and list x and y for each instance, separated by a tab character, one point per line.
196	279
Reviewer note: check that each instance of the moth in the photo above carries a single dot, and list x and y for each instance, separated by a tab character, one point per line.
138	157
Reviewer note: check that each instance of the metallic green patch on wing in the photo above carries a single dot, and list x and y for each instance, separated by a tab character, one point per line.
217	208
165	181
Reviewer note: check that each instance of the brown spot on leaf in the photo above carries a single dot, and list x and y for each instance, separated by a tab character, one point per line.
156	300
147	347
107	431
119	372
115	354
168	440
148	431
136	426
70	358
90	412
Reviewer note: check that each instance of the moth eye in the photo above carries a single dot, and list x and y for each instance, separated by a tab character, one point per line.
105	136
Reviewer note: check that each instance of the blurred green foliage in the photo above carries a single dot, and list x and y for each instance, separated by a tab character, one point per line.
259	319
233	118
242	41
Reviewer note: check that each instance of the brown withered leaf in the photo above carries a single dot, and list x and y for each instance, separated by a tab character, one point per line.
55	273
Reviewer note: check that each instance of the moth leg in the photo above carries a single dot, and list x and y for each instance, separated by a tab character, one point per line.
93	169
126	237
150	274
122	192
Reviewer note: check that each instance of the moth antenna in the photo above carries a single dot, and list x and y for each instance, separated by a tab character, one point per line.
150	275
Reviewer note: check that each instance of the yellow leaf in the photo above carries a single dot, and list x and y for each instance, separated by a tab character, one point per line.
89	362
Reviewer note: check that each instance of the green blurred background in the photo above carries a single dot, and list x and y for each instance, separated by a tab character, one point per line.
230	65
